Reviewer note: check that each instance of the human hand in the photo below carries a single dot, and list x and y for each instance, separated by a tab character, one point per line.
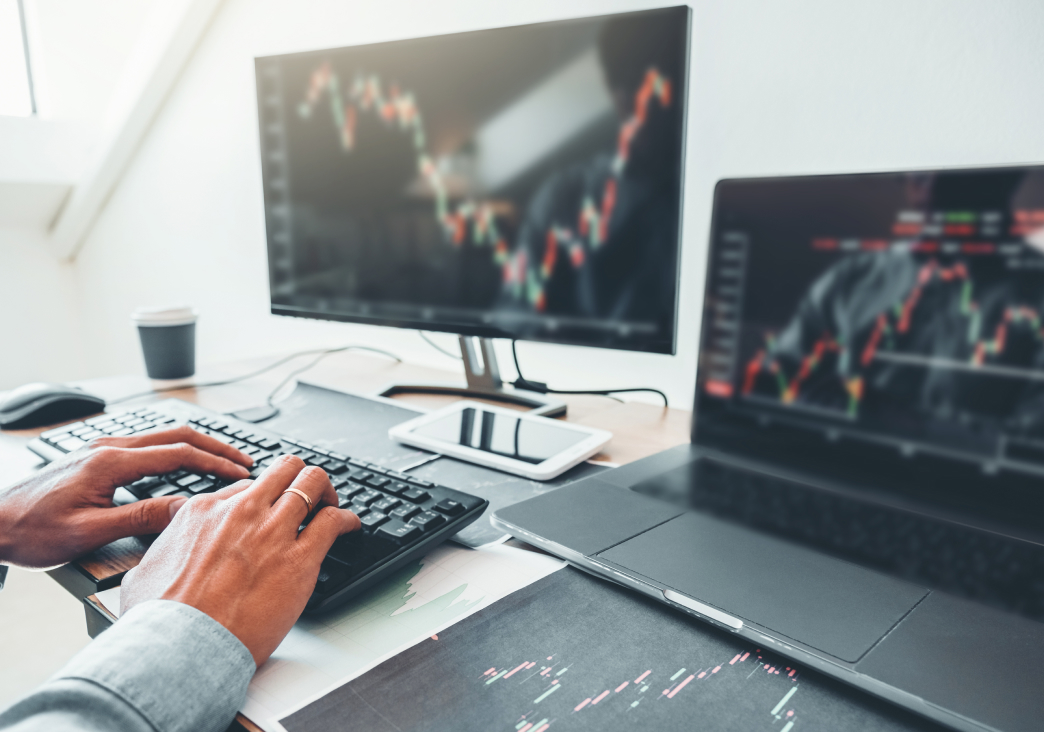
237	555
65	510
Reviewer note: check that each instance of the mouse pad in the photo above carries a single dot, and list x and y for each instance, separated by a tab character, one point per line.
571	652
358	426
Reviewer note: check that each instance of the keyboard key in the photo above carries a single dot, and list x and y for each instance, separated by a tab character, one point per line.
244	435
188	480
121	433
416	495
377	481
255	472
449	507
93	434
359	463
399	532
339	456
144	487
335	467
397	488
368	497
203	485
351	490
133	422
317	461
406	511
164	489
99	420
428	520
256	439
71	443
251	451
238	444
422	483
337	482
112	428
269	444
358	510
121	497
80	430
49	435
305	455
372	520
219	426
386	504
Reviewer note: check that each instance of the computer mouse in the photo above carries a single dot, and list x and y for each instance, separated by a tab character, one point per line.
35	405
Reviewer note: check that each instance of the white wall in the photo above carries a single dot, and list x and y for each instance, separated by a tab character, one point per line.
777	87
40	333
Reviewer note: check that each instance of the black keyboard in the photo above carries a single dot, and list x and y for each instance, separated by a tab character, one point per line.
990	568
402	517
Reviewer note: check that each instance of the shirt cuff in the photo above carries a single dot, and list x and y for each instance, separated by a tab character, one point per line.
179	668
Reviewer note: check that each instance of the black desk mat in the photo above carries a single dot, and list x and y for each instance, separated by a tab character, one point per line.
572	652
358	426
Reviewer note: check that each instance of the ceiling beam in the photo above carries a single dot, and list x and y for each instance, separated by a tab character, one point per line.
168	40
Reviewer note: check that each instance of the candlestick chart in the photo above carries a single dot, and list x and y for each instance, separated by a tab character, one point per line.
573	653
784	376
524	276
546	677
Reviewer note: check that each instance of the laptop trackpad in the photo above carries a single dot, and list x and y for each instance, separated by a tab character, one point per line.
828	604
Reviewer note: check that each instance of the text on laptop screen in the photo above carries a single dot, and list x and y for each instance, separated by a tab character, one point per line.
892	308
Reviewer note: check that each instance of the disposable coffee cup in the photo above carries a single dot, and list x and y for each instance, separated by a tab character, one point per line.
168	341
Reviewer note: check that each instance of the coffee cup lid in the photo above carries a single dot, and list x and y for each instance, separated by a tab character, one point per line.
161	316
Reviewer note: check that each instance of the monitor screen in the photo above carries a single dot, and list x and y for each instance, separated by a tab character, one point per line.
875	312
520	182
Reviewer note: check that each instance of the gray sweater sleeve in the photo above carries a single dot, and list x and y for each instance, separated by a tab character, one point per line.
164	667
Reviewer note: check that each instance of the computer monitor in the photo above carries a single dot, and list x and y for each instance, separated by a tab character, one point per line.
519	183
886	327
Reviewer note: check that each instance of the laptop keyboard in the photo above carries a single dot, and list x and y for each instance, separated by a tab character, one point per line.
401	516
986	567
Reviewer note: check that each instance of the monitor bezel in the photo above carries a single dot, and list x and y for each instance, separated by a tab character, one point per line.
665	346
1010	512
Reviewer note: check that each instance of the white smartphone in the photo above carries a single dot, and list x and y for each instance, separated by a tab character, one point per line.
515	442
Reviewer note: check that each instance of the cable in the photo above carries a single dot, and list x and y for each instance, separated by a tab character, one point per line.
541	388
439	348
323	353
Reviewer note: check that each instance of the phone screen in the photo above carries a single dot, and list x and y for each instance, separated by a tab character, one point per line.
528	440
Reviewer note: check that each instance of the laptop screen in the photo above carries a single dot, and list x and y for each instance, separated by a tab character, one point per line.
899	314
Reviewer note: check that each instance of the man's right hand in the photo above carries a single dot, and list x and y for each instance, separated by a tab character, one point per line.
237	554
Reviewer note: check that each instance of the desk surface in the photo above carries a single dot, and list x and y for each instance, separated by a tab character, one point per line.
638	430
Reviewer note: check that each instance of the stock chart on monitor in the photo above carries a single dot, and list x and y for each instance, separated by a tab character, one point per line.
894	308
518	182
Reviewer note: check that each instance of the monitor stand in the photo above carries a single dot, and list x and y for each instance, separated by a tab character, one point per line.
483	376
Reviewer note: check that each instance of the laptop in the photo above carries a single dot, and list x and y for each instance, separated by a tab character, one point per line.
864	487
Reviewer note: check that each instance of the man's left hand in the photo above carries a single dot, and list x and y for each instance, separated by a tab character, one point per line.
66	509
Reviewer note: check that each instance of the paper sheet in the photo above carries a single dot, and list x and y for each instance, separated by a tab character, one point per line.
571	652
417	602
